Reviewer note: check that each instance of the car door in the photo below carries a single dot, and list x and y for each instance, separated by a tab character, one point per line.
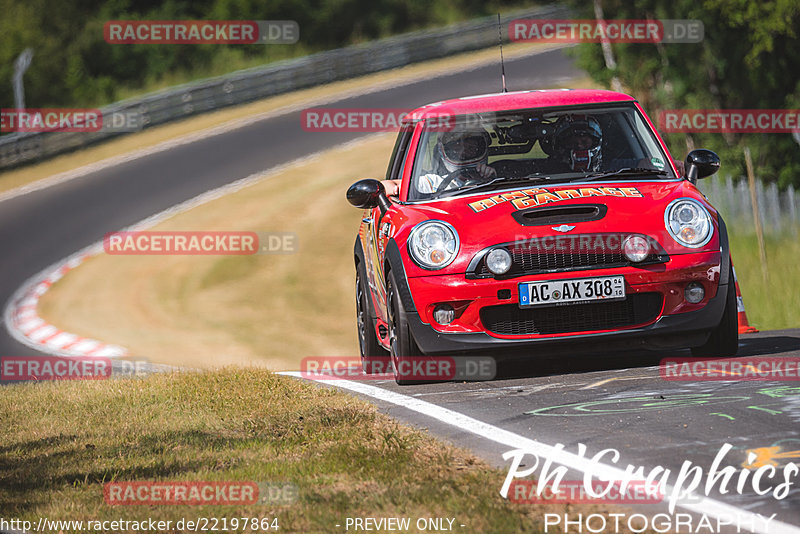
376	226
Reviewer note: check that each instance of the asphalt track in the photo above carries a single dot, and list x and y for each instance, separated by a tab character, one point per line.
620	401
670	422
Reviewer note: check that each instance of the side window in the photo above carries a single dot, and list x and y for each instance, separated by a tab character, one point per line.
393	172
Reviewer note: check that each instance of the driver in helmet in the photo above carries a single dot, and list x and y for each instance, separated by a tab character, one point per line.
463	157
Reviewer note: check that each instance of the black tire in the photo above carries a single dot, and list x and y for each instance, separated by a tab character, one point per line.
724	340
401	341
374	358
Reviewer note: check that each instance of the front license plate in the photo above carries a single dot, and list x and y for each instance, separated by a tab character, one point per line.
573	291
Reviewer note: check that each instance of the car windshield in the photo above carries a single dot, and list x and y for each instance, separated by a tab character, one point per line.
503	149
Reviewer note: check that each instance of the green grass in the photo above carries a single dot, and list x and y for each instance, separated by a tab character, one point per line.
775	303
62	441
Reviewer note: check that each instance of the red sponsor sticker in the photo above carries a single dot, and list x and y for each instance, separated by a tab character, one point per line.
745	368
574	492
729	120
585	31
180	493
182	243
50	120
181	31
13	368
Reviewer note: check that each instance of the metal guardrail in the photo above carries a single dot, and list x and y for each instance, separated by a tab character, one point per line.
276	78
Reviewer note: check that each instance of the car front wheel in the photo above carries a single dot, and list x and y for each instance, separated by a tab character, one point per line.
724	339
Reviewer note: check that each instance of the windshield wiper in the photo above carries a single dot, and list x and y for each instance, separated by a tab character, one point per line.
628	171
533	178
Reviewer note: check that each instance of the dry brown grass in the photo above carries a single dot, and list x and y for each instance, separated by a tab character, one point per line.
205	311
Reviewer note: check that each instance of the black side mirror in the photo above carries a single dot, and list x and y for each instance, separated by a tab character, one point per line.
368	193
701	163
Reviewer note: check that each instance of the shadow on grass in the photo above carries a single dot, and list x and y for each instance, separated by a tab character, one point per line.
31	470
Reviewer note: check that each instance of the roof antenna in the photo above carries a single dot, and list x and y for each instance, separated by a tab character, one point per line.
502	64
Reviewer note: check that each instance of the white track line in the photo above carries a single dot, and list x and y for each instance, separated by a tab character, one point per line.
701	505
20	316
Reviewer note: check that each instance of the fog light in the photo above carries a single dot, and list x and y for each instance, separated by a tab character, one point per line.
694	292
444	314
498	261
636	248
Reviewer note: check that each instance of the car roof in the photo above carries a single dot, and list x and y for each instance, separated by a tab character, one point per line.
516	100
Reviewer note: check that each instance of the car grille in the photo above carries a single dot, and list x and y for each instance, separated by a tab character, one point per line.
526	261
510	319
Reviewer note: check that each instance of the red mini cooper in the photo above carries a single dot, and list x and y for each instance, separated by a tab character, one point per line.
534	219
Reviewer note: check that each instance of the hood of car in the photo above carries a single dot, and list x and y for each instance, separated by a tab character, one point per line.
559	210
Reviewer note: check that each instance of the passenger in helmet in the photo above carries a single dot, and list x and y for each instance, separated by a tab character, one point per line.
577	142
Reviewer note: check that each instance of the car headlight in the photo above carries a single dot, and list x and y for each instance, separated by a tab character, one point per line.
433	244
688	222
498	261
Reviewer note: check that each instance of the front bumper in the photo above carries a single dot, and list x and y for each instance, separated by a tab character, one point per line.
677	324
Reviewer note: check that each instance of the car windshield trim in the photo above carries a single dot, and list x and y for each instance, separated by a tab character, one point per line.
520	186
507	147
628	171
532	179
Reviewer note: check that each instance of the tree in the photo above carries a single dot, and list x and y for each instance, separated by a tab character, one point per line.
747	60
